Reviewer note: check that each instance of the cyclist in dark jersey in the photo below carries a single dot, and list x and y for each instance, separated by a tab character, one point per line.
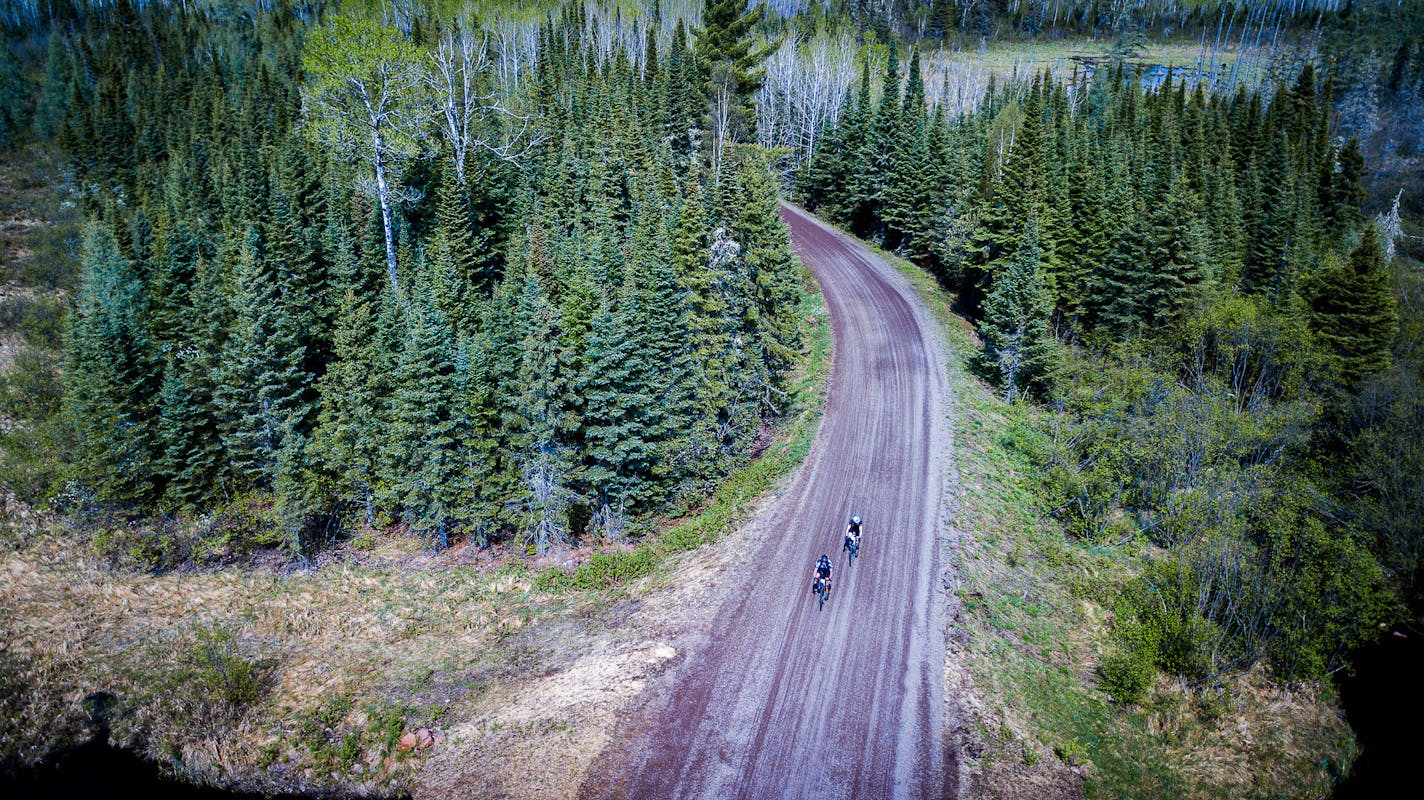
852	534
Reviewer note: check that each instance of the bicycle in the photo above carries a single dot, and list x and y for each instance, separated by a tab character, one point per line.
822	589
851	546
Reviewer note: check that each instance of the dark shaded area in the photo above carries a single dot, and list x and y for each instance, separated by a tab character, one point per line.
1384	701
96	771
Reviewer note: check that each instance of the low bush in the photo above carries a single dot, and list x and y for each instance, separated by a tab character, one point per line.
238	529
244	525
39	318
1127	676
607	570
213	679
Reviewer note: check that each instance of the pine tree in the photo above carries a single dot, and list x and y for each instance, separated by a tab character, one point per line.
1267	265
1353	313
188	440
112	379
1175	256
1019	349
54	106
1019	194
772	270
428	430
265	389
619	453
15	94
347	438
545	461
729	57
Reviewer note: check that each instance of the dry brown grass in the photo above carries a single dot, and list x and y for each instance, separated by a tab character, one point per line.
522	687
382	631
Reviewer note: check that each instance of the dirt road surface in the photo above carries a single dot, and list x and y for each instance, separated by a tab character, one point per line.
782	700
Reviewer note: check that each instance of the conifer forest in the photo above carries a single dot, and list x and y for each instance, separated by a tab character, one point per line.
495	311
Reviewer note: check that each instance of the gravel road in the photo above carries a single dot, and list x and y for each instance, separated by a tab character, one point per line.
783	700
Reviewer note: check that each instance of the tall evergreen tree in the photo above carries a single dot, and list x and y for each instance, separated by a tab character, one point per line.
541	438
347	438
428	430
265	388
772	271
1019	349
112	378
1353	314
729	59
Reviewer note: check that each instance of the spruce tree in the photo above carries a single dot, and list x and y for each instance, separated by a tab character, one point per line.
1353	313
772	270
15	96
615	396
428	431
729	59
546	465
112	378
265	388
1019	349
53	106
1175	256
188	439
346	441
1268	263
1019	194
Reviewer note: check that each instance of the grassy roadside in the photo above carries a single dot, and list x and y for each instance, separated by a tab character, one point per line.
1032	624
353	674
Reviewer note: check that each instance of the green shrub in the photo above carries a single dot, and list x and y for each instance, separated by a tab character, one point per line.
39	318
34	460
1126	676
215	681
607	570
222	672
244	525
554	580
144	547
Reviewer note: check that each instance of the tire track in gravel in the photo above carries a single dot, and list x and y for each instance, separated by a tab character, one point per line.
783	700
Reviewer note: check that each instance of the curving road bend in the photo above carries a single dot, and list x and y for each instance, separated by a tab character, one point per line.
783	700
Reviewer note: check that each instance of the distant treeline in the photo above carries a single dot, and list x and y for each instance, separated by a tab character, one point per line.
343	266
1190	284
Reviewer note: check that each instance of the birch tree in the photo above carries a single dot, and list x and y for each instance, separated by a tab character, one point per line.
471	112
804	90
364	98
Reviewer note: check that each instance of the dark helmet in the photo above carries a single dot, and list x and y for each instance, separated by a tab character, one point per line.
825	559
